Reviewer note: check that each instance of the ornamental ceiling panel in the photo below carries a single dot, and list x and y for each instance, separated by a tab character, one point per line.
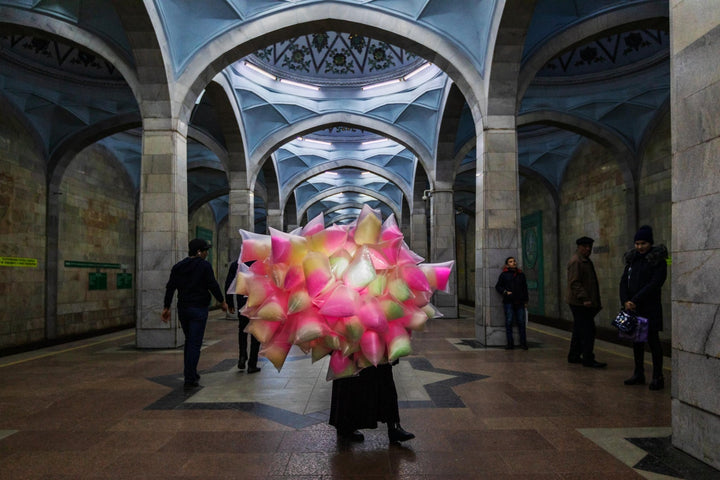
188	29
96	16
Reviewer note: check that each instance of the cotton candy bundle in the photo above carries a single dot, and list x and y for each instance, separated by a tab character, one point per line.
352	292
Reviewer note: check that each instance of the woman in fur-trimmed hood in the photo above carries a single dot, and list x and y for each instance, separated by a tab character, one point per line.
640	292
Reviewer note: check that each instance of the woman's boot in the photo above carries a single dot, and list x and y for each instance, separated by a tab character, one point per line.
638	377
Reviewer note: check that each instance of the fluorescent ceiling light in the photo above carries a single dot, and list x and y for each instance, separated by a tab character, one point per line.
370	142
415	72
310	140
381	84
301	85
260	71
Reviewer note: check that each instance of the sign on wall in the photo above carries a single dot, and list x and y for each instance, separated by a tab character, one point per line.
533	264
97	281
124	281
18	262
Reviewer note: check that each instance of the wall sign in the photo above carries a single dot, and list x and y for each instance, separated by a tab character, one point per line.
18	262
97	281
533	265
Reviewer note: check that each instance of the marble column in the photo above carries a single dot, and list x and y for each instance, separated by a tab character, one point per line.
695	105
162	237
275	218
442	244
497	222
418	230
241	211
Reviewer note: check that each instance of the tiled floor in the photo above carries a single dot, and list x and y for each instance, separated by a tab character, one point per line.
100	409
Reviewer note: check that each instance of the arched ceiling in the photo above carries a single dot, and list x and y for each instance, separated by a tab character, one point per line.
605	79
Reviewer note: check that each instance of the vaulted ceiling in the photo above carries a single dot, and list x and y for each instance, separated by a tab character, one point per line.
342	118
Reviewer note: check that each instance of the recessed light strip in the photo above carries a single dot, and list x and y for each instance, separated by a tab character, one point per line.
416	71
297	84
260	71
381	84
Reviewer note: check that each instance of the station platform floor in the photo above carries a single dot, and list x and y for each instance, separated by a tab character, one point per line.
101	409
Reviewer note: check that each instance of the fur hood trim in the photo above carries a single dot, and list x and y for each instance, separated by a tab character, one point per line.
656	254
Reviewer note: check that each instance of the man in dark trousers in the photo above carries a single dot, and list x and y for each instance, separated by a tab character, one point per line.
583	297
242	323
194	279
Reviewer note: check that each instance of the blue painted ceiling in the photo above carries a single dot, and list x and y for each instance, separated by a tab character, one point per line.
616	81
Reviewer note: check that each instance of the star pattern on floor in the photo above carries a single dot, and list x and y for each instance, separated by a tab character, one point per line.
650	452
299	395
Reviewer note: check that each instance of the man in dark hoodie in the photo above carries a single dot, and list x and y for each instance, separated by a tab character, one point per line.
512	285
194	279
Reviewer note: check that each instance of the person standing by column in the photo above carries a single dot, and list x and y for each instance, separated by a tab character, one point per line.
512	285
242	323
194	279
640	290
583	297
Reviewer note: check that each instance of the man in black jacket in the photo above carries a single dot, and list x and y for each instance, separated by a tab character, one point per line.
242	323
512	285
194	279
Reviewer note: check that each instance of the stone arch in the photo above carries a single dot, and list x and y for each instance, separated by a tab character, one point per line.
332	191
220	94
77	35
423	155
589	129
307	174
640	14
239	42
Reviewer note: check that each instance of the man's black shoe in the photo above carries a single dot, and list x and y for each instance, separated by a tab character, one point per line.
189	385
595	364
253	369
574	360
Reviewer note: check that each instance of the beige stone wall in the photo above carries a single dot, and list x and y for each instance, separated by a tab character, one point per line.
97	224
465	264
593	203
695	104
654	204
535	196
205	218
22	234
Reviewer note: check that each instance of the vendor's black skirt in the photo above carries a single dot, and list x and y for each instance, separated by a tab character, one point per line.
364	400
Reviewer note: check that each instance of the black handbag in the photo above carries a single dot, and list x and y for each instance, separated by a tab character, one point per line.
625	322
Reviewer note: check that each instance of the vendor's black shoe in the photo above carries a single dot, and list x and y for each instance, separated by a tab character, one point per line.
574	359
241	363
397	434
191	385
595	364
253	369
657	383
636	379
354	436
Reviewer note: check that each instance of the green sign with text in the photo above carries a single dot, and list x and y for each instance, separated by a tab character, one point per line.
124	281
97	281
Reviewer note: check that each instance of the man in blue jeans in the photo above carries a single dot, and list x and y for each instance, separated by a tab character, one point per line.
194	279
